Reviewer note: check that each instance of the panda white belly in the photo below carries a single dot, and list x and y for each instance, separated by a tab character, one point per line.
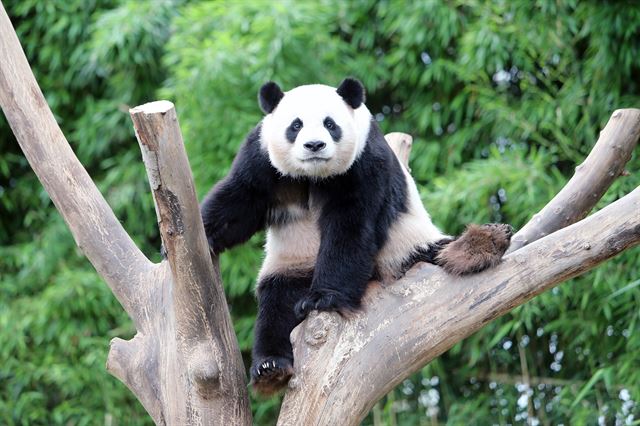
292	247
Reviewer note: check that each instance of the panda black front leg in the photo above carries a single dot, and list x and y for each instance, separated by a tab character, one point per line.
324	300
272	361
345	261
236	207
271	374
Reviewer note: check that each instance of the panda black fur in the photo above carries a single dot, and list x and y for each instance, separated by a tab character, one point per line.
339	210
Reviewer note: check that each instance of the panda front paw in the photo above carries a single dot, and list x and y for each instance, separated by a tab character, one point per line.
324	300
270	374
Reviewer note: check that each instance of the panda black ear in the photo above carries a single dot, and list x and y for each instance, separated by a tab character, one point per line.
269	96
352	91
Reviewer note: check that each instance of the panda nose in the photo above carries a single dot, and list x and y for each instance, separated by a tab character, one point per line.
314	146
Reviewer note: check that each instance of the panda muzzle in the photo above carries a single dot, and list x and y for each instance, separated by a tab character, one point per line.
314	146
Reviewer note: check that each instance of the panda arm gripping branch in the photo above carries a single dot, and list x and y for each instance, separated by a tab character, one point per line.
358	209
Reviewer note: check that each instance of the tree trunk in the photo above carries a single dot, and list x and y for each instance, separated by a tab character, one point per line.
184	364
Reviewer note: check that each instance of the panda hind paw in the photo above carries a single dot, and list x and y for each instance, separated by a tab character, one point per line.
270	374
478	248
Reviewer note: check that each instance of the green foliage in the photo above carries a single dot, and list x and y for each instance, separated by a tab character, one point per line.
503	99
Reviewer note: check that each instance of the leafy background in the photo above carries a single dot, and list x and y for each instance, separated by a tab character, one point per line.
503	98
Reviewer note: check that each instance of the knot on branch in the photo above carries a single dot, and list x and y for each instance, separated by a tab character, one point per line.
204	369
317	327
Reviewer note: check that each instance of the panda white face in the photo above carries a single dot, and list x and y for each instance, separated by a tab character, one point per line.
314	131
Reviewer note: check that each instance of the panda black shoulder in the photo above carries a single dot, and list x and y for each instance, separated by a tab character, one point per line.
378	161
385	166
378	146
252	165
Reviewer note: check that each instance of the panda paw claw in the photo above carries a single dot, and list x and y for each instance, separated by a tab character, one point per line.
270	374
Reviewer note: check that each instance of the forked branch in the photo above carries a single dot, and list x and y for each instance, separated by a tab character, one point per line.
96	229
591	180
184	364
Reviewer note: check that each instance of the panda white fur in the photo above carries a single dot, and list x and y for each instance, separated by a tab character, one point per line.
339	209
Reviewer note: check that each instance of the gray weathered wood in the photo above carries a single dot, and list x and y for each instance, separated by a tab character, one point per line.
96	230
407	324
190	354
401	144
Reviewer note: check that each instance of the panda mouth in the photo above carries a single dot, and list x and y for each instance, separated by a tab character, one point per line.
315	160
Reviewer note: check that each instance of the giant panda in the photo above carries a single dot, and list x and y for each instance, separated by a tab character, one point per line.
339	210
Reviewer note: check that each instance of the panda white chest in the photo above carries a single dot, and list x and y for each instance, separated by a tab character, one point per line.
293	236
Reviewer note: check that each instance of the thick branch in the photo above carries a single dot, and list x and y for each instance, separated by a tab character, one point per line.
591	180
181	228
407	324
184	364
199	329
95	228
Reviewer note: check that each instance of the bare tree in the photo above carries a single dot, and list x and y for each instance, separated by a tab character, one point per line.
184	364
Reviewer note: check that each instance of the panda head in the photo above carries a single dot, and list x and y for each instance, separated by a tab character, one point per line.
314	131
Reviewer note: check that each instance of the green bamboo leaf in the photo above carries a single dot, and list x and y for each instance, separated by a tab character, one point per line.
587	387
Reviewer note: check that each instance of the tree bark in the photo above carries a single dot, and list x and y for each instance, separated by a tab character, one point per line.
401	144
184	364
405	325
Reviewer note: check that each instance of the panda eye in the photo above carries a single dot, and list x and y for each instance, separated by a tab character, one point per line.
329	124
297	124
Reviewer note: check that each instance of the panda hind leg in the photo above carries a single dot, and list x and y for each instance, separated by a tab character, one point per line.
479	247
272	360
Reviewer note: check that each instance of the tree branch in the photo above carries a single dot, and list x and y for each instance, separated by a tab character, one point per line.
184	364
95	228
126	360
201	309
589	183
405	325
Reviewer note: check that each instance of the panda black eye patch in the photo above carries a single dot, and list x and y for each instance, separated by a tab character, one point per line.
293	130
334	130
